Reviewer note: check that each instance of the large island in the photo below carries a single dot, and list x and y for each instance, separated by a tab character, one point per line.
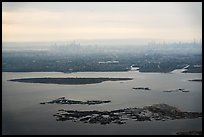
155	112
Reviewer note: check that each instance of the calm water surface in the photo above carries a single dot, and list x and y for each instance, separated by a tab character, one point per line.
22	113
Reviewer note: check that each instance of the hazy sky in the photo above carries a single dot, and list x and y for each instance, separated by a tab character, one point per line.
28	21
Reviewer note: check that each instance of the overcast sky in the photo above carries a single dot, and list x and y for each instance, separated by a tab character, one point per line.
23	22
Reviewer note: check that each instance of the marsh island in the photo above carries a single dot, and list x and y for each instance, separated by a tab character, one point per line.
63	100
68	81
161	112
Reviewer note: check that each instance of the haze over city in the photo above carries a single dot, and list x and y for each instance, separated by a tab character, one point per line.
82	21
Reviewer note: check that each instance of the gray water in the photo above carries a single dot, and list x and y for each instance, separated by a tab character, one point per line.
22	113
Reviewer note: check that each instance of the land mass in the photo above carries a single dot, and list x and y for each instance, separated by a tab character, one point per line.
69	81
161	112
71	58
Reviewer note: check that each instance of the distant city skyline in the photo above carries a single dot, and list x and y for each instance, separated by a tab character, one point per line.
53	22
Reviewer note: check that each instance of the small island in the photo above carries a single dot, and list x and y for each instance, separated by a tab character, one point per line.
142	88
177	90
68	81
198	80
63	100
158	112
189	133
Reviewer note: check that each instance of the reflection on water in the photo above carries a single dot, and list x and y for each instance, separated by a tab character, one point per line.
23	113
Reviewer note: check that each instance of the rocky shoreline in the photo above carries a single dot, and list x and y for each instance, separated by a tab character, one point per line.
63	100
161	112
